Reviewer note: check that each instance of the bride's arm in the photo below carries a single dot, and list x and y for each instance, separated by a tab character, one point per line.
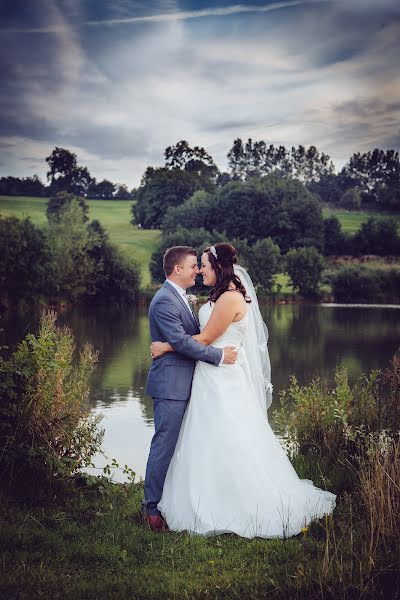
226	308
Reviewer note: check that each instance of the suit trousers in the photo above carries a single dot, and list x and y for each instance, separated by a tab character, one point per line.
168	415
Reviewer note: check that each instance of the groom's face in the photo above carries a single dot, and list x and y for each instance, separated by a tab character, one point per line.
188	269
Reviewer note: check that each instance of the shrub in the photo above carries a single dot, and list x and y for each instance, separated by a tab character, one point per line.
351	199
377	236
46	430
263	262
361	284
304	267
338	422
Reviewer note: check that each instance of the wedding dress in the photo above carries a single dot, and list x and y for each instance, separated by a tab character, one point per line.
229	472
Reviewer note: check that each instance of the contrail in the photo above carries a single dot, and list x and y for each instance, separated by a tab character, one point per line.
176	16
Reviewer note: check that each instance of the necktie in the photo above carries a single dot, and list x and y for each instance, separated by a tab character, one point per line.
190	306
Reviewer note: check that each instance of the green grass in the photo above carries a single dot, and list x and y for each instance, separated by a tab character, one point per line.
352	220
139	244
114	215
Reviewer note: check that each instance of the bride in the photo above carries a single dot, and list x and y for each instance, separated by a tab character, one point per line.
229	473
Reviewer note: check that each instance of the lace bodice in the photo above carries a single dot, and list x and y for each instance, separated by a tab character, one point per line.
233	336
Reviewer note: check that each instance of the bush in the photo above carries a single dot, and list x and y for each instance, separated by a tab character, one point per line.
351	199
336	242
336	423
46	430
263	262
361	284
192	214
62	200
304	267
377	236
25	261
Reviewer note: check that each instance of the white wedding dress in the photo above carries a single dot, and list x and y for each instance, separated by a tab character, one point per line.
229	473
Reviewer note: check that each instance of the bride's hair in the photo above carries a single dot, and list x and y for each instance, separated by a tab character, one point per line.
222	257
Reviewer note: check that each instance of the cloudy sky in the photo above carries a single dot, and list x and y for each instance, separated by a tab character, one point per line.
116	81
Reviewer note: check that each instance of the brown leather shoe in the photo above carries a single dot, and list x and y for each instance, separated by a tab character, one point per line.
157	523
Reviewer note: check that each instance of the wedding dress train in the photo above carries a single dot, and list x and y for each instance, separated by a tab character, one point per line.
229	472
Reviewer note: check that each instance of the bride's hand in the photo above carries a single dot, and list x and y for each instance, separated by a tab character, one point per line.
157	349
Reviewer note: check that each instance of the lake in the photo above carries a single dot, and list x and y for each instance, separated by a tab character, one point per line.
305	340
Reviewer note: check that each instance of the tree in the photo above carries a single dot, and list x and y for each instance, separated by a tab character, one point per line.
351	199
115	279
195	160
192	214
27	186
268	207
60	201
377	236
163	188
65	174
103	190
25	262
372	173
304	267
71	243
256	159
122	192
335	240
262	260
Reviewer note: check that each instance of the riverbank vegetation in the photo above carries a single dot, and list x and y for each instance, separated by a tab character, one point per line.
64	534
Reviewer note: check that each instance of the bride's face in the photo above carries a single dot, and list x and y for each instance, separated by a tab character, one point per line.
209	276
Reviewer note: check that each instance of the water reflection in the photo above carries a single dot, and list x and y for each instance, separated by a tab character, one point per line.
305	340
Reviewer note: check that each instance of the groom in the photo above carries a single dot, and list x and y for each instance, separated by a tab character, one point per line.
170	377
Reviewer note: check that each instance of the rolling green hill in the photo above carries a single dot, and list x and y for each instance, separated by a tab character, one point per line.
114	215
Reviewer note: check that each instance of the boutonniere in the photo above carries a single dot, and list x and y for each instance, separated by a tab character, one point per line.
192	299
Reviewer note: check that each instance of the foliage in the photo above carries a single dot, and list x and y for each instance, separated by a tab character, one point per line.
377	236
304	266
338	422
194	160
257	160
193	213
45	429
103	190
374	174
25	261
116	278
263	262
281	209
65	174
61	200
163	188
351	199
71	242
335	240
363	284
27	186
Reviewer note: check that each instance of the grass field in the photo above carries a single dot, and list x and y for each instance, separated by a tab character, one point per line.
139	244
352	220
114	215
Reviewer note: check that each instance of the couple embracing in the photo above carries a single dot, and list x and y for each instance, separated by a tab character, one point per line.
215	466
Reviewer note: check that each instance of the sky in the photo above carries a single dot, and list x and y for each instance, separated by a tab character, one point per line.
117	81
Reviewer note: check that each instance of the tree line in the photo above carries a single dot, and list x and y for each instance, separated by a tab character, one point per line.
65	175
368	180
266	207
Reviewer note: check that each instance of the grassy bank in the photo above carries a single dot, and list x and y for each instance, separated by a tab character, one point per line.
139	244
114	215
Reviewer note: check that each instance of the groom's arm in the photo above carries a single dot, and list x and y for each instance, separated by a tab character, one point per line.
170	325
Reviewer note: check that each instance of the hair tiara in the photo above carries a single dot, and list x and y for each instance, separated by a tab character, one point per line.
213	251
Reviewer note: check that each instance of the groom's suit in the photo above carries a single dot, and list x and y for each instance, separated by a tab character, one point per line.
169	382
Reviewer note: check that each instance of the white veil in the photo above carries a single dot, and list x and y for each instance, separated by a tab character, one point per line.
255	343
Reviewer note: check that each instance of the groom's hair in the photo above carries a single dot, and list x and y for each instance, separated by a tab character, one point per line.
174	256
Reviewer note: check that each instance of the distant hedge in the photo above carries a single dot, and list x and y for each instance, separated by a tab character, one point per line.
361	284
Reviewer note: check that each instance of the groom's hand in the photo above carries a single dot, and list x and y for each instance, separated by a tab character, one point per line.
230	355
